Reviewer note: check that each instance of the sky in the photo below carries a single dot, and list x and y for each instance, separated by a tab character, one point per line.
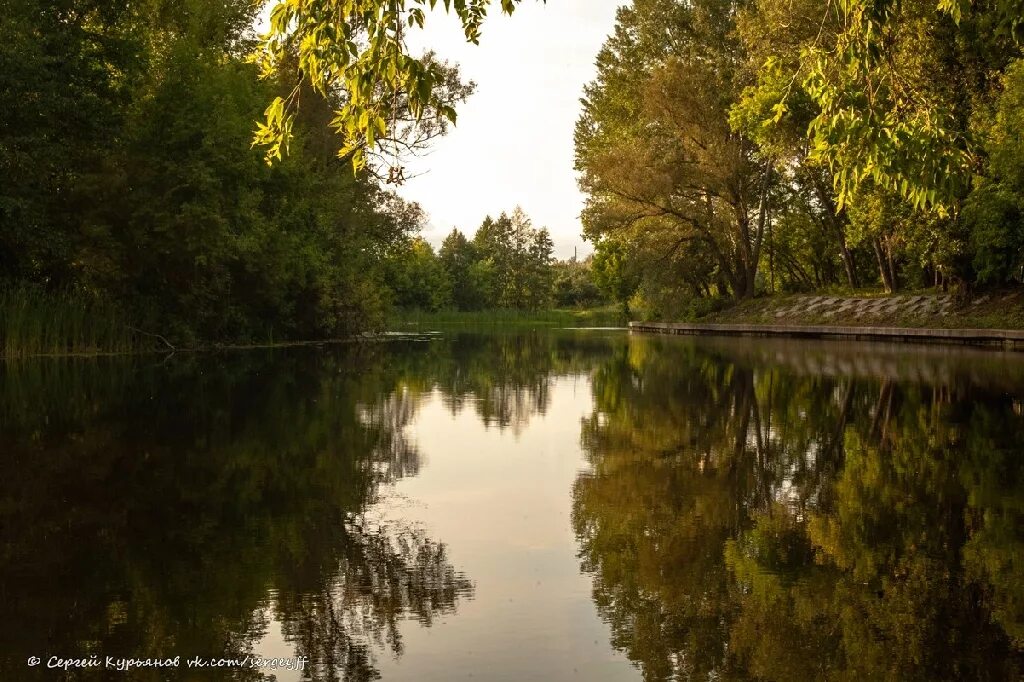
513	145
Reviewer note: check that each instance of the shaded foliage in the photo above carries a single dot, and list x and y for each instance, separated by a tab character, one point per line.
126	141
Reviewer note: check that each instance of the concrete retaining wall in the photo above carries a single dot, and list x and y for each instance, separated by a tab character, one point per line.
1008	339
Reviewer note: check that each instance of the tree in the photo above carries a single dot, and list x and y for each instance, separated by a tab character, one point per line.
657	156
994	213
418	278
513	267
614	273
358	48
132	179
891	84
67	72
528	279
458	257
772	34
575	285
722	138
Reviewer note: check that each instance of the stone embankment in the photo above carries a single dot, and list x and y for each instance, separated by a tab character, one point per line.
991	320
881	308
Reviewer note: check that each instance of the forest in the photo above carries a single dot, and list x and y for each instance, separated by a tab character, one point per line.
506	265
136	208
130	182
735	149
726	149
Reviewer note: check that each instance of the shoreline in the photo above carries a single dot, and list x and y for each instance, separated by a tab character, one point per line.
168	352
1005	339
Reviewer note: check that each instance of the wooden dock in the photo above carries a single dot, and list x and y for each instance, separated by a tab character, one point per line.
1007	339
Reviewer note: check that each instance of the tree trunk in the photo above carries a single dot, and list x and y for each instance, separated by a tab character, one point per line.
754	258
885	265
893	274
848	265
836	219
771	256
749	277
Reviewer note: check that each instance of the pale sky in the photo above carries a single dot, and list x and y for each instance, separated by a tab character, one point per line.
513	143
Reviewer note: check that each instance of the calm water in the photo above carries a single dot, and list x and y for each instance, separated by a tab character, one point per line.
541	506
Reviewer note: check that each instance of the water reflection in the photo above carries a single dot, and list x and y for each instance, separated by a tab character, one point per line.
505	378
763	510
190	506
178	509
797	511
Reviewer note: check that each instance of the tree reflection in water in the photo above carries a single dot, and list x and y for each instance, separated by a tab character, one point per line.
183	507
176	510
754	511
751	510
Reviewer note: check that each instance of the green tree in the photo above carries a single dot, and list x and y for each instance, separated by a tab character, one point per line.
575	285
67	73
614	273
994	213
528	281
133	179
514	262
493	243
359	49
772	33
660	164
892	86
418	278
458	257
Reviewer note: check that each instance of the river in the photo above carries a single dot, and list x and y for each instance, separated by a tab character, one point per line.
549	505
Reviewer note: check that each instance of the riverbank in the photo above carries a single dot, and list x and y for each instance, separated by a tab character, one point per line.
566	317
202	348
993	319
992	310
48	334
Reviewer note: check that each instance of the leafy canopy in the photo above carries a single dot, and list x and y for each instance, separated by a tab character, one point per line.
357	48
881	119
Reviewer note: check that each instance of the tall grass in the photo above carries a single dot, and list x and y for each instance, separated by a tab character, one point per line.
36	322
600	317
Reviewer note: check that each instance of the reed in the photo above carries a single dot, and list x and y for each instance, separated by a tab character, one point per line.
35	322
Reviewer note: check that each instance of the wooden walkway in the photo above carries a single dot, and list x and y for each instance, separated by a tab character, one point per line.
1008	339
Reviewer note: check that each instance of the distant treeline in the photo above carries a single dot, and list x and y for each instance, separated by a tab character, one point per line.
130	187
508	264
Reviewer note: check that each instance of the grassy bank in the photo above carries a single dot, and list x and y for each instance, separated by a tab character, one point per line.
34	322
598	317
37	323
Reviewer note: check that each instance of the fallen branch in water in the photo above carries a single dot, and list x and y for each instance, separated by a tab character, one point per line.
156	336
